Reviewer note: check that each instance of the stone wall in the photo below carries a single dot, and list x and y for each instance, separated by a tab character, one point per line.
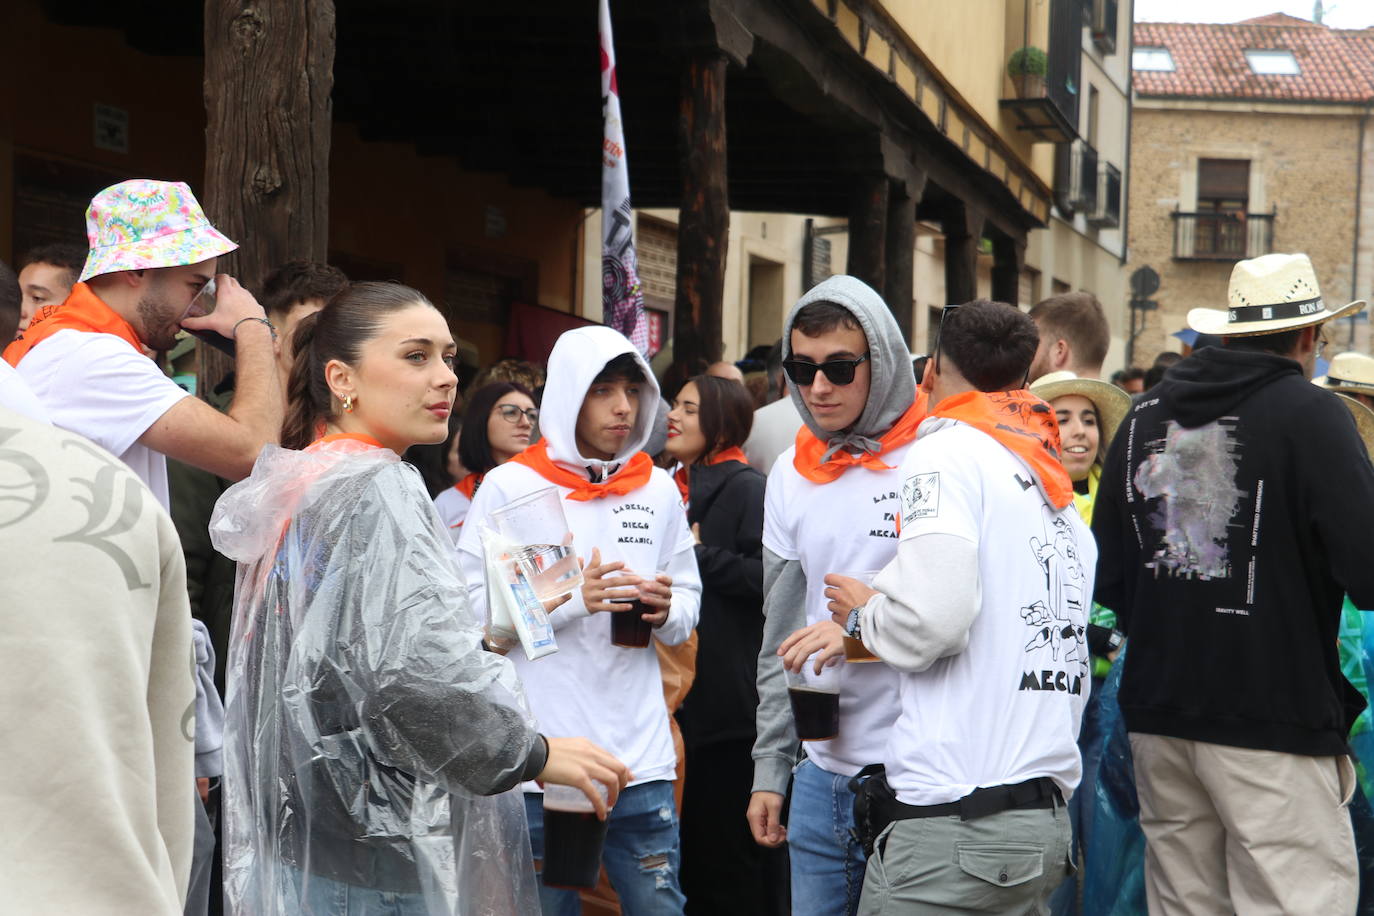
1305	165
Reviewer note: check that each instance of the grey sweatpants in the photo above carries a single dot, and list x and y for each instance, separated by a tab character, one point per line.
1005	863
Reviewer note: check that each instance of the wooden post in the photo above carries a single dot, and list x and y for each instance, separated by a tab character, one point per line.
1008	254
963	227
269	72
900	250
703	227
868	230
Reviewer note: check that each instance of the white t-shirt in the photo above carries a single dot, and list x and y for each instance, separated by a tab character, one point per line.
1008	707
774	431
16	395
453	505
98	386
846	526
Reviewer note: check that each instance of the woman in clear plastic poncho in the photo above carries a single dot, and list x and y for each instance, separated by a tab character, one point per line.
371	742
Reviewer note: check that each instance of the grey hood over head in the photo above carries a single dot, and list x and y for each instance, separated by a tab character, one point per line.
893	387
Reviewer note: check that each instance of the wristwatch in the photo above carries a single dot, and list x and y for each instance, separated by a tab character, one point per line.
851	626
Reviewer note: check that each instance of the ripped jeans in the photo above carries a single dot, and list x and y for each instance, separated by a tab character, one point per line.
642	854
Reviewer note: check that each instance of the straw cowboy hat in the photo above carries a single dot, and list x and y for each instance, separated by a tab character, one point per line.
1352	373
1364	421
1111	402
1276	292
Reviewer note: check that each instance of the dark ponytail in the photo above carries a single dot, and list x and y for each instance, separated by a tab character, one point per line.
338	331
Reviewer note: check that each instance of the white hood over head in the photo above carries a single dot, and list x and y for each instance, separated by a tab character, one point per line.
577	358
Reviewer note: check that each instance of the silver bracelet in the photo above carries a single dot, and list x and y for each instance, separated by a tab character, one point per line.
270	326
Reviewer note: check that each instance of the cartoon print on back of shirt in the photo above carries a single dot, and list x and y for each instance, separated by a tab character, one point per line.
1192	472
1058	619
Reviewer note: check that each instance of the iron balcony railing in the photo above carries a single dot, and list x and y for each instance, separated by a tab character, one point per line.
1075	178
1107	213
1222	235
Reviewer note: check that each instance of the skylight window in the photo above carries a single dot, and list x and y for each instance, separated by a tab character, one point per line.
1272	63
1156	59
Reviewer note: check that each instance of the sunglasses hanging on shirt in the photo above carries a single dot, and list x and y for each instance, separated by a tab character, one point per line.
837	371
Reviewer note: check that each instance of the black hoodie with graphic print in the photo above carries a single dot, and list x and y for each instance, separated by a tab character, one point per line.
1233	514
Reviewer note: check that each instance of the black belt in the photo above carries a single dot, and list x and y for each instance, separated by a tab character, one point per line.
1041	792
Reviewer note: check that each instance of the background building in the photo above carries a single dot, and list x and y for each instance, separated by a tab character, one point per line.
1250	138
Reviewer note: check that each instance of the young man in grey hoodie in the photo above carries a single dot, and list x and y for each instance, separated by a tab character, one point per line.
831	507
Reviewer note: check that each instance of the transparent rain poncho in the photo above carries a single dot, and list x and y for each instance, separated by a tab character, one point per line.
370	740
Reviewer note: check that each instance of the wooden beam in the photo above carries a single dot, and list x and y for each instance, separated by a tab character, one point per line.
901	256
963	227
868	230
704	218
269	72
1008	255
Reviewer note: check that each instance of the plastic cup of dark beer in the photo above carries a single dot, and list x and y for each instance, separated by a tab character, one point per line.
573	837
816	700
629	629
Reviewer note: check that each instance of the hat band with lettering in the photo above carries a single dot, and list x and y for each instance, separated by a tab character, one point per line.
1277	311
1332	382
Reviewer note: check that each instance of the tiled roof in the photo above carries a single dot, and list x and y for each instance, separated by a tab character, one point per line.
1335	65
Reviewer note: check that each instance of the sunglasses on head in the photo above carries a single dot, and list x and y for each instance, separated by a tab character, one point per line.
838	371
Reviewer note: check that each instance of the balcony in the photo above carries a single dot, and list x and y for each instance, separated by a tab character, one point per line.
1075	178
1107	213
1222	235
1046	104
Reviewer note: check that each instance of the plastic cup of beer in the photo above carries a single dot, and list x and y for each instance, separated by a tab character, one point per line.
544	545
816	699
629	629
854	650
573	837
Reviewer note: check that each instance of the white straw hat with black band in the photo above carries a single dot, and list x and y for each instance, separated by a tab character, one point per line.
1350	372
1276	292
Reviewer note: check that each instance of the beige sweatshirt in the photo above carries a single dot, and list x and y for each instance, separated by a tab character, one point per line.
96	664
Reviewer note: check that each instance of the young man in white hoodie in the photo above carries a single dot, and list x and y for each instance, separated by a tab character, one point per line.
627	519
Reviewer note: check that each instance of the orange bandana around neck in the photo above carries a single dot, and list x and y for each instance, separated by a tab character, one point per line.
468	485
1021	423
629	478
81	311
682	475
807	459
341	437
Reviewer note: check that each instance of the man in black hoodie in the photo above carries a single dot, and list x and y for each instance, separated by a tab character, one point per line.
1228	524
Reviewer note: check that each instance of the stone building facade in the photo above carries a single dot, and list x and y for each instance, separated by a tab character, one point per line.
1228	163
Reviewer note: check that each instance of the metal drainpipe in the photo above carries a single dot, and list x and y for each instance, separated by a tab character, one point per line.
1359	194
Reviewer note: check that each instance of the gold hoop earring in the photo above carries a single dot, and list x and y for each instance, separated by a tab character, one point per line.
348	403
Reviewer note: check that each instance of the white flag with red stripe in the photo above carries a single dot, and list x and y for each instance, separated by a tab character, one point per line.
622	299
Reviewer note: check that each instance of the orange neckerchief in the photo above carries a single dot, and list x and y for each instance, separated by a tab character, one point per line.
681	477
1024	425
337	437
82	310
631	477
807	459
468	485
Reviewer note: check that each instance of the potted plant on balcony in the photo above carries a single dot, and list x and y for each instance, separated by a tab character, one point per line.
1027	68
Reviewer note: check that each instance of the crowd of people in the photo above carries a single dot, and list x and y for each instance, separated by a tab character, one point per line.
865	632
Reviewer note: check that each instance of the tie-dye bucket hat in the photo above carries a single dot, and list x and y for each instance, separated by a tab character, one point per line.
142	223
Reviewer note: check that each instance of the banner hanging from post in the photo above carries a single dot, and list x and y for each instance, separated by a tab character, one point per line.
622	298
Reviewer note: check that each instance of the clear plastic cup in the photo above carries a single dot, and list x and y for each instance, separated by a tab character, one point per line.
573	837
536	524
854	650
816	699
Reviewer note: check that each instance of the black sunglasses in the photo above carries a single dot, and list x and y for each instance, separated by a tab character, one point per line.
935	351
838	371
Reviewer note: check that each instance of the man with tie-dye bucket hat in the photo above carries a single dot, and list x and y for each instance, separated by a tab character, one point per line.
152	254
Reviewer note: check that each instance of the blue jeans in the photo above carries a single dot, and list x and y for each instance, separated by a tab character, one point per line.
827	863
642	855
